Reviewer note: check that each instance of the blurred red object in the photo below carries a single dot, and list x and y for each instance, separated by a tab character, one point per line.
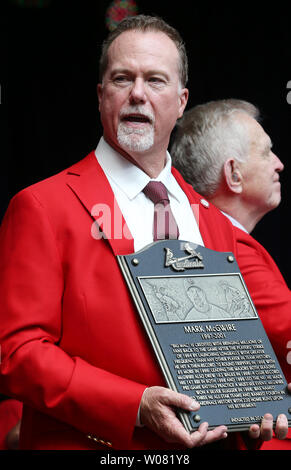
276	444
118	10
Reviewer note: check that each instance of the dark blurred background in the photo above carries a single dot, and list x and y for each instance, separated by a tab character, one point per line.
49	53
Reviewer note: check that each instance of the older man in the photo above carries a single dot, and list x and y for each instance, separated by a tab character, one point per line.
221	148
223	151
73	349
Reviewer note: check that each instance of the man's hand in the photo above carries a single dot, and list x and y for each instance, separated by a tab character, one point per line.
157	412
264	431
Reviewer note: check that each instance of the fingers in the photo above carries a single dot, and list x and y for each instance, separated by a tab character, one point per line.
281	429
267	427
171	398
158	412
156	398
202	436
254	431
265	430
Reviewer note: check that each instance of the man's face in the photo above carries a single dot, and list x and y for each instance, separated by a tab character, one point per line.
261	186
140	97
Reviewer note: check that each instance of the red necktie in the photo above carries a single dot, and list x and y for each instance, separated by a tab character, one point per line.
165	226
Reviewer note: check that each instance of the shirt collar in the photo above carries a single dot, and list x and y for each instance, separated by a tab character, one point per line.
234	222
130	178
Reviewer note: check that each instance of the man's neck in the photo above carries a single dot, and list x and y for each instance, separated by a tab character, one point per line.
247	217
150	162
234	221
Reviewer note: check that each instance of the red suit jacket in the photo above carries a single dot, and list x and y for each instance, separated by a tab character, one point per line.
272	299
73	348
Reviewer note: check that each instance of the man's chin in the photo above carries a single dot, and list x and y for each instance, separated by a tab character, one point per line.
135	145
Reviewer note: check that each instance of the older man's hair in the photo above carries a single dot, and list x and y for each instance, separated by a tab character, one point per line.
206	137
145	23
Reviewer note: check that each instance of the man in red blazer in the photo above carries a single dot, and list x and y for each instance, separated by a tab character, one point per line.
223	151
73	349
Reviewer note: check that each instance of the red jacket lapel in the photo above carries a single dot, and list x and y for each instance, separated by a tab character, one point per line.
88	181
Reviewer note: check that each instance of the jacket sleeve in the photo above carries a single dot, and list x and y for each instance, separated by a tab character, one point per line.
270	294
34	369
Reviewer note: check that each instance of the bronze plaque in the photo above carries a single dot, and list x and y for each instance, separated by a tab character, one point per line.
206	334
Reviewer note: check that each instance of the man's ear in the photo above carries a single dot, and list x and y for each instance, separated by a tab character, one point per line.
183	99
232	176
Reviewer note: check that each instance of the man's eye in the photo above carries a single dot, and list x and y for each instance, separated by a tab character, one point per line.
156	80
121	79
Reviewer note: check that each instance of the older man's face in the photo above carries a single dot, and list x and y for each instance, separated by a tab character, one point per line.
140	98
261	185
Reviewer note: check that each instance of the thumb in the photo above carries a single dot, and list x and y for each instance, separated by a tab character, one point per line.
182	401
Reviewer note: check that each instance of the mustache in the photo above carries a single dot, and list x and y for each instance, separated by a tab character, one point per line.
137	111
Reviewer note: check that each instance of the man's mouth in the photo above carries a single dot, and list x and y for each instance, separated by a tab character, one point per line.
136	118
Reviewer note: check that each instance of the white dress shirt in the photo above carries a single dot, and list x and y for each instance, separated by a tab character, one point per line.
127	182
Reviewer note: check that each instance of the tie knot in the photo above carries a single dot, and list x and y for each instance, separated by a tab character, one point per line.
156	192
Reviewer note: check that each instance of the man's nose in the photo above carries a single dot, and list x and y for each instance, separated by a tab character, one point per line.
138	91
278	164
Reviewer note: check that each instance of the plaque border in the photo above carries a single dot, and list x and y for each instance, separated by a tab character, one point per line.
151	334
